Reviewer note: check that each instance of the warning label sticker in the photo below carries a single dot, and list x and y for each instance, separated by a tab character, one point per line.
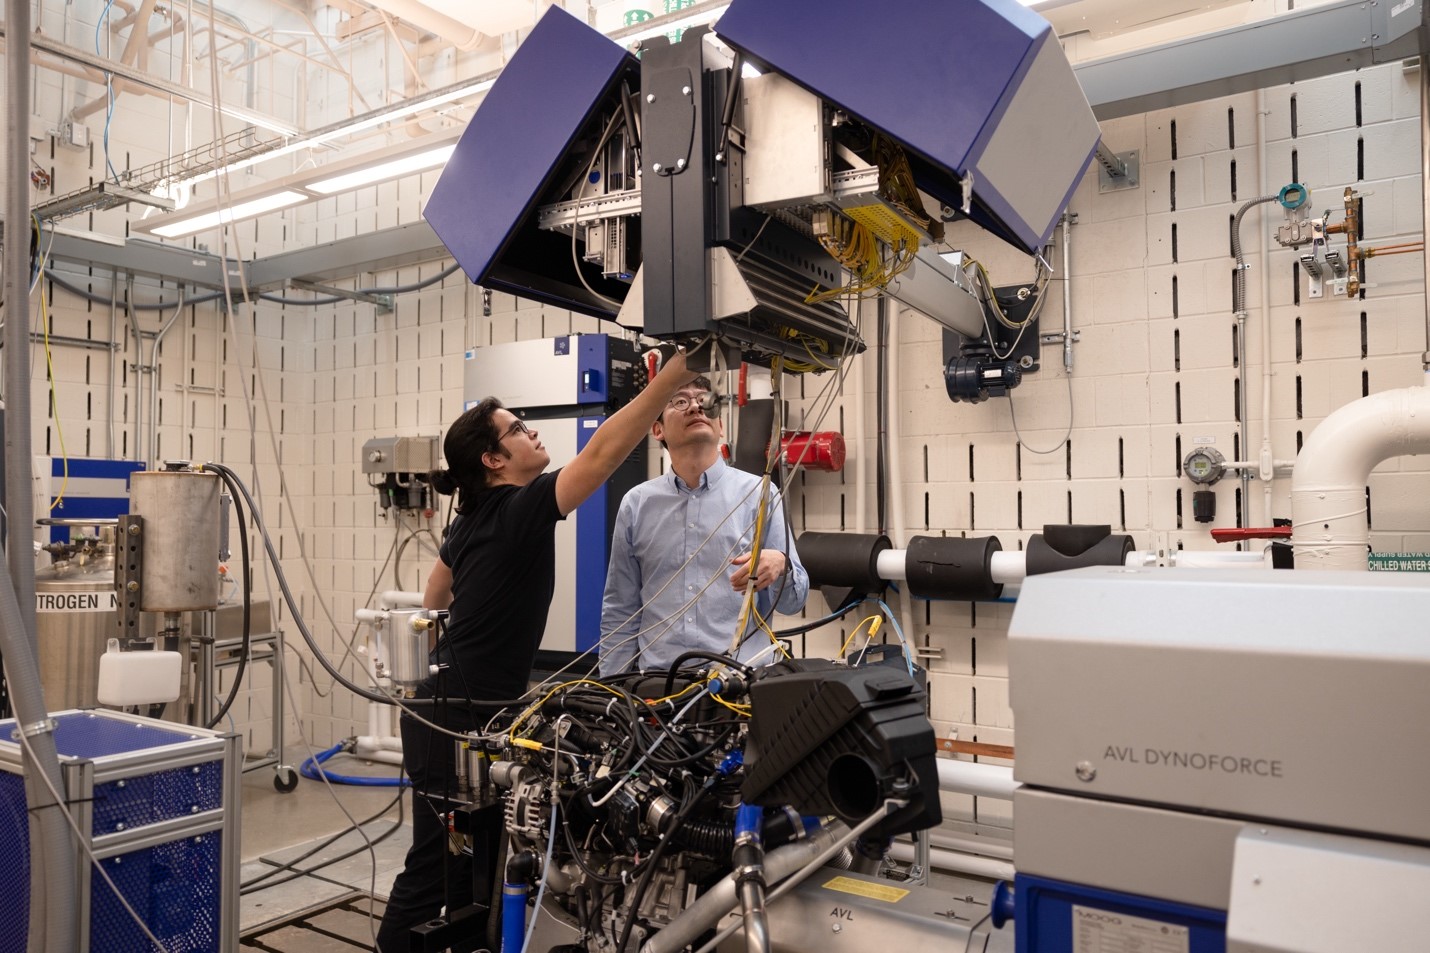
1101	931
862	888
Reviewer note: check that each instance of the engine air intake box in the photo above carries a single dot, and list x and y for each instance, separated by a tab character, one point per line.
827	739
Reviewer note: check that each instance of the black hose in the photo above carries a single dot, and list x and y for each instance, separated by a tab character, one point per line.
697	654
247	606
131	305
288	595
334	299
633	908
811	626
273	298
337	676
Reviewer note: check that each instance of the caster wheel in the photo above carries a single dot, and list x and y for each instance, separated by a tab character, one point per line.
285	780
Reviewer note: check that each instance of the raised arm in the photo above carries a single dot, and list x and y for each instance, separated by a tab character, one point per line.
614	440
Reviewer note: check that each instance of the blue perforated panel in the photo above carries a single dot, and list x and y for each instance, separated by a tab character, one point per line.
149	799
83	734
87	735
173	887
15	869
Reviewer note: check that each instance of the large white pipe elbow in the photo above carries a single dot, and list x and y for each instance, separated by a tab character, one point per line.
1328	517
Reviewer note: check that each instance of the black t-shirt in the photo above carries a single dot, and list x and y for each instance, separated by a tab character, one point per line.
502	553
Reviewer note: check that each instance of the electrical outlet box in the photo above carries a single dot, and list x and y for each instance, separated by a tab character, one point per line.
399	455
75	135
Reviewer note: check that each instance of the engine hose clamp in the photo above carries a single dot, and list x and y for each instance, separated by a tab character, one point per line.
750	873
796	823
34	728
747	837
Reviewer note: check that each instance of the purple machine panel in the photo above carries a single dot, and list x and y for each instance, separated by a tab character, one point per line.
517	147
976	87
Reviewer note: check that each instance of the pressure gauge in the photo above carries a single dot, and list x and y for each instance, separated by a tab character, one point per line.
1204	465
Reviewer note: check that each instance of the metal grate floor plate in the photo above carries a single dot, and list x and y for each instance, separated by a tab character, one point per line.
337	926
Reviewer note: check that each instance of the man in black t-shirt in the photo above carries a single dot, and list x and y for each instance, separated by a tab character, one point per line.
495	574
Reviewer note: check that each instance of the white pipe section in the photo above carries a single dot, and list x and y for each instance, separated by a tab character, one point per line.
399	599
379	743
463	37
371	616
387	750
896	471
1328	517
976	778
1009	567
1266	468
968	844
891	565
956	862
1216	559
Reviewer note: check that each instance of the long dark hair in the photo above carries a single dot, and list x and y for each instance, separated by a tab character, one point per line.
470	436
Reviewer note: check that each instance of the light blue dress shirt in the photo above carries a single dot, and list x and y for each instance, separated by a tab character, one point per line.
672	603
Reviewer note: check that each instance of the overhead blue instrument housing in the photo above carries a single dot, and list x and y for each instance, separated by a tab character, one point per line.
522	144
666	193
979	91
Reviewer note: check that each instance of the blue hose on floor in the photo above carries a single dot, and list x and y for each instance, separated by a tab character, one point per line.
309	770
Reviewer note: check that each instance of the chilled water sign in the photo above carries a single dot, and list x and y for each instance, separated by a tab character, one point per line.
1399	562
98	601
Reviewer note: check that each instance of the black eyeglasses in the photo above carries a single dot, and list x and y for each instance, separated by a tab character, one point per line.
682	403
517	427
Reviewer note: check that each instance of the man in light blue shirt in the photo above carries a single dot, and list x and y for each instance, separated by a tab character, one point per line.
680	554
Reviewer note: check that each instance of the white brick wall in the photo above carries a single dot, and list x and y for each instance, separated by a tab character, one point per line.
1153	373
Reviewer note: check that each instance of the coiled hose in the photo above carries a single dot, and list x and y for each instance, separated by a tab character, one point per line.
310	769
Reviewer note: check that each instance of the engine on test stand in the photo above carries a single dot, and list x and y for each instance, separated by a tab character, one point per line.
643	809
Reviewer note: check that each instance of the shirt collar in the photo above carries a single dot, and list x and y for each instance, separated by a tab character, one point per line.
708	479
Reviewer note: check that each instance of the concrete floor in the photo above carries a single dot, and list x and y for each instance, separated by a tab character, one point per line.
280	828
329	909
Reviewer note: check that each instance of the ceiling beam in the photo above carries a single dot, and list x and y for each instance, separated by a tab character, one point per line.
43	44
1289	47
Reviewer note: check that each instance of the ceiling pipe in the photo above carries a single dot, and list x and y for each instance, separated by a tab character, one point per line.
1330	529
41	44
459	34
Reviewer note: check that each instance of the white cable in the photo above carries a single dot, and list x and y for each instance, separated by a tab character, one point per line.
551	834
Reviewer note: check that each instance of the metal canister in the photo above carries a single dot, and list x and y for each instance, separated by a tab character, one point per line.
181	538
74	618
407	646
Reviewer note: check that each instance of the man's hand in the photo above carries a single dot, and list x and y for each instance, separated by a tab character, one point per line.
772	565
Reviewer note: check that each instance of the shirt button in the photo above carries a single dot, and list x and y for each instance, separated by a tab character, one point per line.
689	618
690	588
691	525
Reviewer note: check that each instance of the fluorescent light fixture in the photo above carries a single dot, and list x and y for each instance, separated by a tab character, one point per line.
252	207
383	171
346	128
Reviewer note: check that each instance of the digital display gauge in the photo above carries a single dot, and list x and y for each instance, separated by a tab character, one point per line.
1204	466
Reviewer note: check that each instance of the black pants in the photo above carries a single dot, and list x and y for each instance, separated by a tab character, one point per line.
432	876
